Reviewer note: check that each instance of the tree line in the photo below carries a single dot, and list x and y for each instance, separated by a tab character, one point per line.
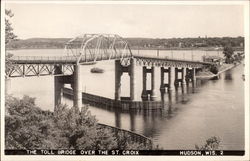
135	43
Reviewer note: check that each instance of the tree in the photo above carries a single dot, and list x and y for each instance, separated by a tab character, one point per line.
214	69
24	123
9	36
228	53
212	143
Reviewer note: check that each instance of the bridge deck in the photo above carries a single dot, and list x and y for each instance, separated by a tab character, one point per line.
87	59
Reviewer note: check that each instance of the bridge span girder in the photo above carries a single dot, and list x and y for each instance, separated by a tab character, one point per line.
159	62
28	70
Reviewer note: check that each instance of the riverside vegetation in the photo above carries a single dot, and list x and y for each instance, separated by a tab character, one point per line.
29	127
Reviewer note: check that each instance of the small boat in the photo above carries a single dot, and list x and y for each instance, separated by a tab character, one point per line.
96	70
89	63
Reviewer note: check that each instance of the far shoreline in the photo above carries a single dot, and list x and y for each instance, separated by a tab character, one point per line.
142	48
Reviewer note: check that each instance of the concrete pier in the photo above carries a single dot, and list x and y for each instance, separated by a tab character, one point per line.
183	76
152	91
144	94
194	75
188	76
153	95
77	87
117	80
119	70
58	87
177	79
162	87
170	79
132	79
163	84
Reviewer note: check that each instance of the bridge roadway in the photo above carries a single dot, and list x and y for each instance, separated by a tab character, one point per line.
145	60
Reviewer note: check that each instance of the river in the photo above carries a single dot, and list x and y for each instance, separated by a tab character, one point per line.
212	108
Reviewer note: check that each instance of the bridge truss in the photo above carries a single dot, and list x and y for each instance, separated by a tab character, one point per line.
29	70
96	47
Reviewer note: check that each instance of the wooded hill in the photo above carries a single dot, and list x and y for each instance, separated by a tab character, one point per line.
137	43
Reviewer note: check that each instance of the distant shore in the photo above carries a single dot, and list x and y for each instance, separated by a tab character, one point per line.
223	68
141	48
135	43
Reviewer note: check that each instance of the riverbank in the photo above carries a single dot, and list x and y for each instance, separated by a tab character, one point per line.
210	75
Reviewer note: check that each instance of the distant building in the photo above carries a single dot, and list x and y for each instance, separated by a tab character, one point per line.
200	44
213	59
180	44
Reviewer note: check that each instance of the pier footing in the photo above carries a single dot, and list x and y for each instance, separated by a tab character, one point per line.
100	101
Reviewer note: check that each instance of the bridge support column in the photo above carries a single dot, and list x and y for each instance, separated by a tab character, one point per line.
58	87
77	88
7	85
177	80
164	85
188	76
170	79
118	74
144	94
153	91
132	79
194	77
183	75
119	70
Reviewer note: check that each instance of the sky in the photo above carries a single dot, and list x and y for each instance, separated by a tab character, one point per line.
127	20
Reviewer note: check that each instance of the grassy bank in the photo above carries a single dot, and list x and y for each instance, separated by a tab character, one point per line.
209	75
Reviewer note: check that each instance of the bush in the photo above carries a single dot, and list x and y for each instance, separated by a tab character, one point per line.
212	143
29	127
214	69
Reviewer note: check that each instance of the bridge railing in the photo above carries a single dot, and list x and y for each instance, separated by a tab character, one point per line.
41	58
162	57
67	59
131	136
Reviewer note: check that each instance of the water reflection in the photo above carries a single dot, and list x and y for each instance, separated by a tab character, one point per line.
170	104
132	120
228	76
117	118
150	118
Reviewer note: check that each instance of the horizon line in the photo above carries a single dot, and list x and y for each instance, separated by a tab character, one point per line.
136	37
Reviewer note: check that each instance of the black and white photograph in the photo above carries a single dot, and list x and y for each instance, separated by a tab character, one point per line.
121	79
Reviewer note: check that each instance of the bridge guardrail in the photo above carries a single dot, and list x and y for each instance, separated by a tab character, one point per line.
91	58
135	137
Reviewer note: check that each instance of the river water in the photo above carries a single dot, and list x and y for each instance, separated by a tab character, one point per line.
192	115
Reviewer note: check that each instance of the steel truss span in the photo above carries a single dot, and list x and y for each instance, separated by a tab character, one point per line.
28	70
97	47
